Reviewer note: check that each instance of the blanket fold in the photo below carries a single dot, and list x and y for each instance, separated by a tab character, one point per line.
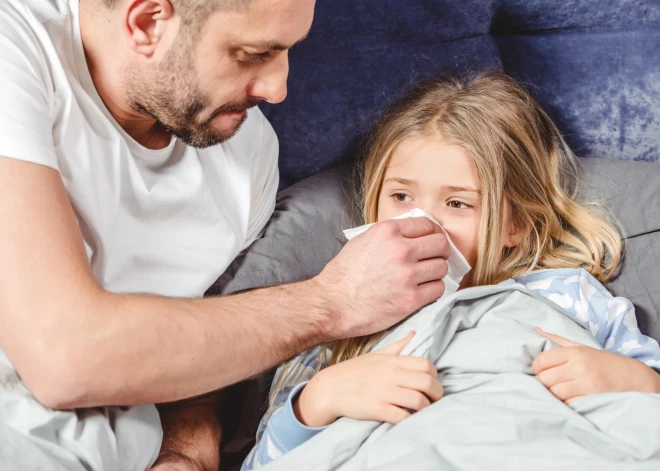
495	415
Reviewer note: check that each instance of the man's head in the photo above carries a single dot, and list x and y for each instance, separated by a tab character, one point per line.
196	66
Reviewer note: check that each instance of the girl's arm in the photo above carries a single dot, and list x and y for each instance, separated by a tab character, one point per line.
630	360
279	430
380	386
612	321
281	433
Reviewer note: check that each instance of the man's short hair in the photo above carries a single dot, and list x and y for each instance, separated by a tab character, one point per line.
194	12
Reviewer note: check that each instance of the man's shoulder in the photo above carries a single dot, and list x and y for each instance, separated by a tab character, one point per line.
21	14
30	30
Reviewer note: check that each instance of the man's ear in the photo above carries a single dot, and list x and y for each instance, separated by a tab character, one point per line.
145	22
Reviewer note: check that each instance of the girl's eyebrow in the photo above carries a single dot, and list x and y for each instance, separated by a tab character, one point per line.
450	188
401	181
461	189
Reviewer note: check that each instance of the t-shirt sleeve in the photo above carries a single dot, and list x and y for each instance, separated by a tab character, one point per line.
265	182
26	95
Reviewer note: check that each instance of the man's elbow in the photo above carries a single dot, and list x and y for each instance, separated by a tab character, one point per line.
56	380
59	396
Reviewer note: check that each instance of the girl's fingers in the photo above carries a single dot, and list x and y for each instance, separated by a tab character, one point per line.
566	391
561	341
409	399
392	414
397	347
572	400
419	364
558	374
550	359
421	382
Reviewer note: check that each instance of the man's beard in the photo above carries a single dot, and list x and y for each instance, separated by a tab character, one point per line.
171	95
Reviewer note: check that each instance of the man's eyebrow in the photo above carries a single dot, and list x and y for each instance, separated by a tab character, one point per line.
274	45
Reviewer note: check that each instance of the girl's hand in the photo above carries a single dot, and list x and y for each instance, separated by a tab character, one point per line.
575	370
380	385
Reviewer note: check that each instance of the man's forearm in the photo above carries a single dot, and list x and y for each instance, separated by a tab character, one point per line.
144	349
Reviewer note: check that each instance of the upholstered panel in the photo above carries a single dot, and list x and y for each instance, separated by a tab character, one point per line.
593	64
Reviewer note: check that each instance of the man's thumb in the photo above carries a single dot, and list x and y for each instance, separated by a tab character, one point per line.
397	347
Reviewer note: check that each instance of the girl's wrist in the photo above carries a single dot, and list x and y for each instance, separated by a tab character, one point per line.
648	379
311	407
654	381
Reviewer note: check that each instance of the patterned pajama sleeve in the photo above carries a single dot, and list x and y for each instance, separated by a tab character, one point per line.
610	319
280	431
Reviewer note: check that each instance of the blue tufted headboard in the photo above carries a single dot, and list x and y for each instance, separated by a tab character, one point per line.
593	64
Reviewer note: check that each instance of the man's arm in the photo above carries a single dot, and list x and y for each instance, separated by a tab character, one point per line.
76	345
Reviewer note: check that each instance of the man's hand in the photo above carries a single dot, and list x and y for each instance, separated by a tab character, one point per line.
191	436
175	464
575	370
384	275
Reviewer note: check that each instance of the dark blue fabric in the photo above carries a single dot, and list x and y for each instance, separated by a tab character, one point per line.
593	64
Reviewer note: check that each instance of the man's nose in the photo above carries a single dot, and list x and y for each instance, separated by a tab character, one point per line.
270	83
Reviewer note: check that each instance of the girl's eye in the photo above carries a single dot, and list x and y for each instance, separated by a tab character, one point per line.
458	205
402	197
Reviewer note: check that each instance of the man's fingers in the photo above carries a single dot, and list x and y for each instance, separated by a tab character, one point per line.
422	382
397	347
550	359
429	292
413	228
430	270
561	341
558	374
431	246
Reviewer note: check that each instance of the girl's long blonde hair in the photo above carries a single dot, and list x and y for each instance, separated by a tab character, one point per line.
522	161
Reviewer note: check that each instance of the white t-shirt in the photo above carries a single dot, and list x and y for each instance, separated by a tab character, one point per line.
164	222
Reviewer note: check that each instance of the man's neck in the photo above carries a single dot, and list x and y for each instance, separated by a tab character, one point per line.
143	128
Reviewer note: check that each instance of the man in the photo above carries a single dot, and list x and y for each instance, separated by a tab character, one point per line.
132	174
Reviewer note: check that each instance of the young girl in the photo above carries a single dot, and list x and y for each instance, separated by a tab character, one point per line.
490	166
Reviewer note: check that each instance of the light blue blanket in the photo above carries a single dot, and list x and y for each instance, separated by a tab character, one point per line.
495	414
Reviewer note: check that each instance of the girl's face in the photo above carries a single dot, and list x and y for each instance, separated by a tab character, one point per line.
440	179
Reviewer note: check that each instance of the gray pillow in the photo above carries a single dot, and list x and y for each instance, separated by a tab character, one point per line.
631	191
305	232
303	235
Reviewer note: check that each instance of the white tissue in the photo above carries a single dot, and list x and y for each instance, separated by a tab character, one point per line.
456	263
